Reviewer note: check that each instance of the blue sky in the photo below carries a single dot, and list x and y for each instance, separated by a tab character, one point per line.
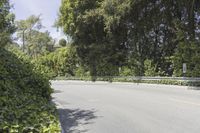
47	8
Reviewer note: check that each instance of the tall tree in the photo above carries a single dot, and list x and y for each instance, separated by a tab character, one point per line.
34	41
26	27
6	22
40	43
84	21
188	38
128	32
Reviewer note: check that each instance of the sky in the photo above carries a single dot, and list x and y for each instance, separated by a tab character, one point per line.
47	8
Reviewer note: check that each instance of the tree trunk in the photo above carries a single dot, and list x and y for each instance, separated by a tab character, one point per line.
23	41
191	20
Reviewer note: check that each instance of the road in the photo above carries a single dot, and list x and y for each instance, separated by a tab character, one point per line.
101	107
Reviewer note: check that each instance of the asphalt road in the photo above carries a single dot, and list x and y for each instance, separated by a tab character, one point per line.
101	107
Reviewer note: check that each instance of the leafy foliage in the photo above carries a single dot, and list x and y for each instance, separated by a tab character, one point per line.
34	41
150	68
61	62
126	71
62	42
84	22
24	96
6	23
128	33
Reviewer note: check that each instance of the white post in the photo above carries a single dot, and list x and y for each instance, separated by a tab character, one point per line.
184	69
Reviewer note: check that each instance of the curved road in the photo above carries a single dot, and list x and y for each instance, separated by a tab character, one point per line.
101	107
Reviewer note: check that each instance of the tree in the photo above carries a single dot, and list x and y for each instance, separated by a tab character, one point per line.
84	22
61	62
187	38
109	34
62	42
26	27
39	43
34	42
6	23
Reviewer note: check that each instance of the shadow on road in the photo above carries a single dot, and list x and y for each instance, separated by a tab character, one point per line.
193	88
57	91
72	120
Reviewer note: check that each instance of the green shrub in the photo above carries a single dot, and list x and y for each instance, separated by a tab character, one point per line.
81	72
43	64
24	97
62	42
150	68
187	52
125	71
61	62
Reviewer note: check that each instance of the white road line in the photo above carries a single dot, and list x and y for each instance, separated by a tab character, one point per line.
185	102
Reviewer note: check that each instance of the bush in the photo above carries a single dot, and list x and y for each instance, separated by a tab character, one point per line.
61	62
44	64
187	52
24	97
62	42
150	68
81	72
125	71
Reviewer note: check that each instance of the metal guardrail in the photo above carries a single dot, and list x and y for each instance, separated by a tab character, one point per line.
191	79
187	79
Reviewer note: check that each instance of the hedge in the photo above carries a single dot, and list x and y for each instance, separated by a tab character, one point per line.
25	97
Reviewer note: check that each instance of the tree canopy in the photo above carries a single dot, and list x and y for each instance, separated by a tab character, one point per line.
62	42
119	33
34	41
6	22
